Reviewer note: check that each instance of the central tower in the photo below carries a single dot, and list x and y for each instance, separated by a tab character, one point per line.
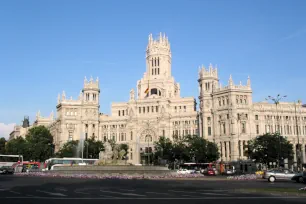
157	81
158	57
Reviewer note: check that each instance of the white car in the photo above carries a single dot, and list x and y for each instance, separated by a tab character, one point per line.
185	171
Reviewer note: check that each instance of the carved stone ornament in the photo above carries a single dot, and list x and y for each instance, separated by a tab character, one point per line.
70	127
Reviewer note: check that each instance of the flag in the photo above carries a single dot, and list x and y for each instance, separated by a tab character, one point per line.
147	90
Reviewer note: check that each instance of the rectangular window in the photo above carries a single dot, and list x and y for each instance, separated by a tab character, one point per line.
148	109
152	109
144	109
256	117
123	113
208	119
224	129
164	133
243	128
156	109
209	130
131	156
227	116
257	129
131	135
184	108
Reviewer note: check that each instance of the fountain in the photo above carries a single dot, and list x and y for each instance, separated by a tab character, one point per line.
111	157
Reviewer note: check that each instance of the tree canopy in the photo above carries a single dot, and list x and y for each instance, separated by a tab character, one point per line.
40	143
269	147
2	145
189	148
91	149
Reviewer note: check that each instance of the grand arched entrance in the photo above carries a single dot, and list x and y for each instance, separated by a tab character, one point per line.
146	146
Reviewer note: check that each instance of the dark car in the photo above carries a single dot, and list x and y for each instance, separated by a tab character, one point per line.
6	170
298	178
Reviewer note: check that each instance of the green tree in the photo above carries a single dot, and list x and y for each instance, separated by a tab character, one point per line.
40	143
163	149
18	146
69	149
94	148
201	149
266	148
2	145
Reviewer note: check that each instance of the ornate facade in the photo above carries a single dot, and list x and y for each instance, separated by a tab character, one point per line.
155	109
229	117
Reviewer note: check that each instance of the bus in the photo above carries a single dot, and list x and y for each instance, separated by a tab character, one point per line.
197	166
66	161
10	160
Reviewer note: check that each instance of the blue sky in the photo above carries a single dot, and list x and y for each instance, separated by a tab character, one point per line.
49	46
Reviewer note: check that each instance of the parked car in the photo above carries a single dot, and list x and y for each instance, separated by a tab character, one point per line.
211	172
298	177
278	174
185	171
6	170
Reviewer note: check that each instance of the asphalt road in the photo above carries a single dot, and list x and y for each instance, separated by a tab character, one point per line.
14	189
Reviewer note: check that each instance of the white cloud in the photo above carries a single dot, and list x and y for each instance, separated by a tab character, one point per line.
6	129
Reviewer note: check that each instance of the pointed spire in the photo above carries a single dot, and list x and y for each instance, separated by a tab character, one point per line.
240	83
160	37
52	115
80	95
97	80
249	82
38	115
58	98
210	67
230	81
91	79
85	80
63	95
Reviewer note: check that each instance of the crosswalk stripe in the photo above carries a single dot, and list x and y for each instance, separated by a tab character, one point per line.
129	194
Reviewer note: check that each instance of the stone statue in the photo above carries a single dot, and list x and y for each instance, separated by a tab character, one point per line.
121	154
107	153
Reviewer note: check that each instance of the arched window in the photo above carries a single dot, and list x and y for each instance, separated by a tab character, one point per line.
152	71
153	91
152	62
157	71
157	61
159	93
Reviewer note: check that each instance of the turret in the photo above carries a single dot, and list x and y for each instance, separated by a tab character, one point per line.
91	91
158	57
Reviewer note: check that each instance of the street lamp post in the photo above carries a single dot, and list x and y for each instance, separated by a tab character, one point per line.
276	101
148	138
299	159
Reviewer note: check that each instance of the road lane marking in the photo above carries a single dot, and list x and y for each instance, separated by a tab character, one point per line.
60	189
212	190
187	196
183	191
51	193
129	194
81	193
165	198
126	189
158	193
15	192
221	194
108	196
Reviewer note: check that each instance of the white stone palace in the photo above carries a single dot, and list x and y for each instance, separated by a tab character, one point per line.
227	115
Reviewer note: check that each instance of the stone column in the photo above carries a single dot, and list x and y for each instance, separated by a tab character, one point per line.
223	151
294	154
227	151
303	153
241	149
234	150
